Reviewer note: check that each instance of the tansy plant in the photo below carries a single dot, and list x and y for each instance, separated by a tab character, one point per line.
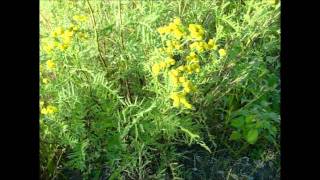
54	46
61	38
179	60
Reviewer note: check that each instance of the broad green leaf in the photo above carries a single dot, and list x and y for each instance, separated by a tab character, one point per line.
252	136
238	122
249	119
235	135
259	124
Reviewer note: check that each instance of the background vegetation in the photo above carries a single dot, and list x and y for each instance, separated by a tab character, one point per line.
106	115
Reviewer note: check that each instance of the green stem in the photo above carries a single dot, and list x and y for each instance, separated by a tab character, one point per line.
96	34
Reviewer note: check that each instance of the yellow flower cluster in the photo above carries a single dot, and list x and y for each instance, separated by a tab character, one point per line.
48	110
171	46
66	38
177	43
199	46
156	68
50	64
212	44
178	80
174	29
196	31
49	46
222	52
180	99
62	37
80	18
45	80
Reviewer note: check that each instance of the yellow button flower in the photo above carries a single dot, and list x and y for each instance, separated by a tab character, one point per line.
176	103
174	72
169	61
51	65
57	32
67	36
169	51
73	28
222	52
80	18
171	27
178	34
174	77
161	30
182	79
212	44
68	33
155	69
176	45
195	67
51	109
176	97
63	47
185	103
188	69
44	111
192	58
48	48
199	46
177	21
188	87
162	65
181	68
54	34
196	31
45	81
174	80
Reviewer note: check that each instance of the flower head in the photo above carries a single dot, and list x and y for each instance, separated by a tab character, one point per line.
199	46
185	103
212	44
51	65
57	32
192	57
45	81
44	111
196	31
177	21
80	18
155	69
48	47
51	109
222	52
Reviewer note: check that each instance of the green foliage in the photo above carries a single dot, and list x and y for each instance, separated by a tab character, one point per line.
106	114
